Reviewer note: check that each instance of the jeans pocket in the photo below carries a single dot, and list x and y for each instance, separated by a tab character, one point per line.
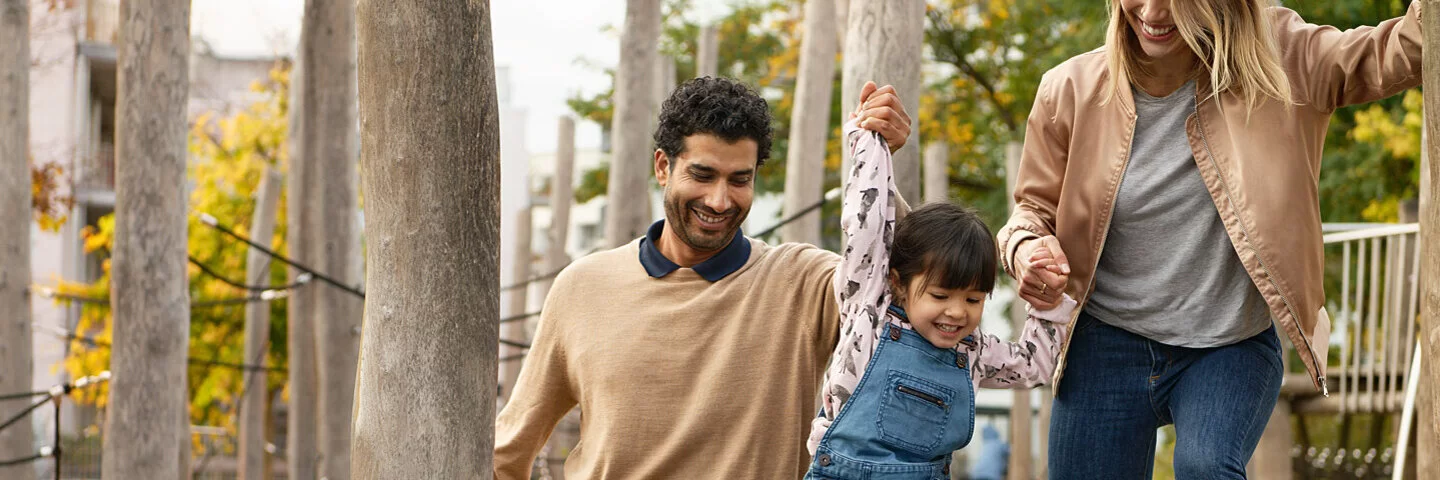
914	413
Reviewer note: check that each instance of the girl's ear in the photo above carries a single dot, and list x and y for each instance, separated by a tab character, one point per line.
895	285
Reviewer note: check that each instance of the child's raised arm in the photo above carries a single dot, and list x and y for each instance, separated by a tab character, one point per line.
1029	361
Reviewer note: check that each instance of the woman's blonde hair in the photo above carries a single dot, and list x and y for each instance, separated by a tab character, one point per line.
1231	38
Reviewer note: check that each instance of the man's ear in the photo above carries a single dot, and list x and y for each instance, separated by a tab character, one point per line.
662	167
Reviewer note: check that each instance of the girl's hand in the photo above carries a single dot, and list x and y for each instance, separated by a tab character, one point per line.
1043	272
880	111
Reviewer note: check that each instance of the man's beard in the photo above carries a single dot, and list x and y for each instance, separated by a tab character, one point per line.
683	223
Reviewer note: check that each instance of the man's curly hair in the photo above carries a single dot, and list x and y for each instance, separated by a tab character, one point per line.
718	106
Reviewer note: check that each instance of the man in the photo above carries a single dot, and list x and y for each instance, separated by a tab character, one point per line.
694	351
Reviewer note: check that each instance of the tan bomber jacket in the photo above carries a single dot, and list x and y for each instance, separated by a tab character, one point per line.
1261	172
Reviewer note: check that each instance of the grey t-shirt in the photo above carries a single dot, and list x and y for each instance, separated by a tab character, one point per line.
1169	271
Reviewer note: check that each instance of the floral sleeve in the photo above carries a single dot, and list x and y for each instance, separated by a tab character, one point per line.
868	222
1029	361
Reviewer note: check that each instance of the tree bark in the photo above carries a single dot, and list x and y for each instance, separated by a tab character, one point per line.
302	451
432	175
1428	420
562	195
883	43
330	142
257	332
515	330
810	123
707	52
937	171
16	341
627	213
145	418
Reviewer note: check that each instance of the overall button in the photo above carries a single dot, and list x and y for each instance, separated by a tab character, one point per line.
946	470
824	460
894	333
962	359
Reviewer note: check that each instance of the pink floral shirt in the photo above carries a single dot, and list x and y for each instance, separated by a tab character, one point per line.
868	221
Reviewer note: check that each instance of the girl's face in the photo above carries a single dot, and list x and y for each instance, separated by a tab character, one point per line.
943	316
1152	23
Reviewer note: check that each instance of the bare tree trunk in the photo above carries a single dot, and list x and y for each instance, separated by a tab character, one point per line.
302	451
427	375
330	132
16	342
515	330
1428	419
842	23
561	196
1020	412
257	332
937	171
145	419
627	213
707	52
810	123
884	43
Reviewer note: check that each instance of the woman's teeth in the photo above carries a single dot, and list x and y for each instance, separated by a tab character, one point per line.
1157	31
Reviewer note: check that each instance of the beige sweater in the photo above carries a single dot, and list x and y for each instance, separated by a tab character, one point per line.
677	377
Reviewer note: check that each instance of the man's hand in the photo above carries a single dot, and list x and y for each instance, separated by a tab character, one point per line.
1043	271
880	111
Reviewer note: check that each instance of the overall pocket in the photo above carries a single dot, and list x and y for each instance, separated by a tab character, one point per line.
914	413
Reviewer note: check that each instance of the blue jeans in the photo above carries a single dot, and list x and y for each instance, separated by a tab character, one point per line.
913	407
1119	387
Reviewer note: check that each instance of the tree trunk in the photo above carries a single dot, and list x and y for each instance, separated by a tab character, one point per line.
883	43
515	330
1020	412
302	451
257	332
810	123
937	171
330	141
145	419
562	195
16	345
432	175
627	213
707	52
1428	419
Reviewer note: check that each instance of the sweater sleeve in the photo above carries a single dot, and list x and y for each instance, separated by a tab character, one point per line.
543	394
1031	360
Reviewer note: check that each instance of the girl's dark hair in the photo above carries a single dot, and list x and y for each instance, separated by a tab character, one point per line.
948	245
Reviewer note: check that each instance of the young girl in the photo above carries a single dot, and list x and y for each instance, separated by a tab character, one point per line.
898	396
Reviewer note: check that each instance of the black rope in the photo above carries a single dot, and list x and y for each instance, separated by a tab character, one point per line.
28	459
513	343
254	288
533	280
516	318
190	360
511	358
196	304
27	410
17	396
792	218
211	222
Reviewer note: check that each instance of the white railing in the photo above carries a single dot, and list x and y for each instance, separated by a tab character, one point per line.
1375	325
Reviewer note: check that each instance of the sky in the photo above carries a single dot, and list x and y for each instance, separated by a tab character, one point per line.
550	50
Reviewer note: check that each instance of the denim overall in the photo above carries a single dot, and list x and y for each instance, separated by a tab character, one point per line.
913	407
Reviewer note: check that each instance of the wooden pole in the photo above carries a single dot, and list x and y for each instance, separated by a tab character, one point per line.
707	52
16	341
627	213
937	171
425	396
257	333
1429	418
883	44
810	122
515	330
1020	414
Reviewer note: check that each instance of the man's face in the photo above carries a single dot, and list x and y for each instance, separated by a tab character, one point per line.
708	189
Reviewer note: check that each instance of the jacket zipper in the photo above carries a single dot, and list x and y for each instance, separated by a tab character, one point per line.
921	395
1319	379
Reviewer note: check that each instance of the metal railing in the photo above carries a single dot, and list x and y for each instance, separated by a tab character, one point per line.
1375	325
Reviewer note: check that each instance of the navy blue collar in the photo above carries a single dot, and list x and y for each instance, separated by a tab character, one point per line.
712	269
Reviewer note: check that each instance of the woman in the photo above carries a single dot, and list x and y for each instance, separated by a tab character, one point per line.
1169	183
